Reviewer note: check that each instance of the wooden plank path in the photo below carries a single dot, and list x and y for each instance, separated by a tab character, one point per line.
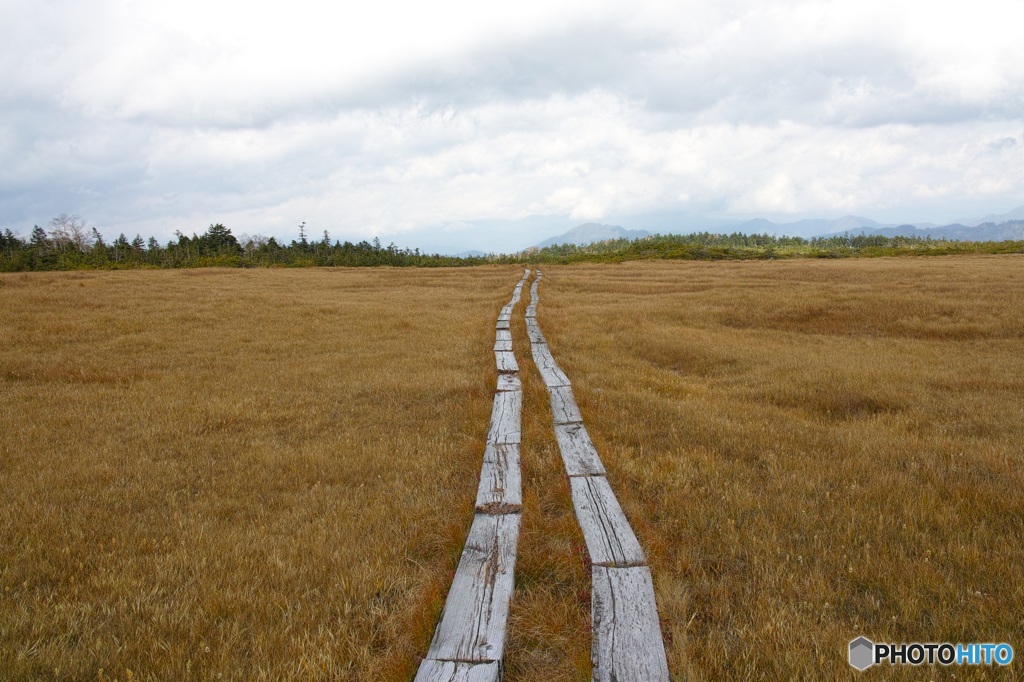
469	641
626	642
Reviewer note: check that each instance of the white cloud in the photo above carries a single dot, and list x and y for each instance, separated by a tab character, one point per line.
152	117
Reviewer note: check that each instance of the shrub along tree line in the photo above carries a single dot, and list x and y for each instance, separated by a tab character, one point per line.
68	245
738	246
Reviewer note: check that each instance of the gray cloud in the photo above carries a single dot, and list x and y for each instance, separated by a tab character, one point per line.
145	125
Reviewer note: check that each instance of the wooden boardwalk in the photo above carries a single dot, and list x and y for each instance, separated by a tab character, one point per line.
469	641
627	642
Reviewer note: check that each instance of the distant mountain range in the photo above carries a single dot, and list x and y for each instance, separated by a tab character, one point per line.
1015	214
985	232
593	232
994	227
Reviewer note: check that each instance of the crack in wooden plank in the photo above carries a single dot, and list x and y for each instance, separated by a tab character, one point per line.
609	537
457	671
627	642
509	382
472	625
500	489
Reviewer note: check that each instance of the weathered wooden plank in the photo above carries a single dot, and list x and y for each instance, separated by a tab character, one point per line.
531	310
627	643
549	369
501	488
457	671
509	382
504	317
505	418
503	344
503	335
610	539
506	361
533	331
502	324
578	451
563	406
472	626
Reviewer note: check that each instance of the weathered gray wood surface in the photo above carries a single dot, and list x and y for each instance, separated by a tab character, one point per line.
578	452
610	539
469	640
563	406
472	626
457	671
506	361
503	339
509	382
533	331
505	418
549	370
531	310
501	488
627	642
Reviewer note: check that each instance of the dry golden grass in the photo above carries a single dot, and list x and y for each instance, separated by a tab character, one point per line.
237	474
809	450
270	474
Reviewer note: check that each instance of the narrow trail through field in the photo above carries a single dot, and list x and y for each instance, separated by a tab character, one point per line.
469	641
627	642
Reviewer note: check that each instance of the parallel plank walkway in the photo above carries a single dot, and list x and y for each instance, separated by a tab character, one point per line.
469	641
627	642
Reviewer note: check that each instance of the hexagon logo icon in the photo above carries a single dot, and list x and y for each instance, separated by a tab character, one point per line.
862	653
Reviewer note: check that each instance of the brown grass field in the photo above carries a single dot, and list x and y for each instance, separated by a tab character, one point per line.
268	474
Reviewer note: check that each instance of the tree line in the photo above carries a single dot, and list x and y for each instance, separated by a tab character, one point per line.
739	246
69	245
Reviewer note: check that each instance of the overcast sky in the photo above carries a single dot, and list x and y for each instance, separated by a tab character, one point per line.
445	123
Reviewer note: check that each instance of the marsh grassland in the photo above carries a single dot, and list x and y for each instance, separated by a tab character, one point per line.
253	474
809	450
269	474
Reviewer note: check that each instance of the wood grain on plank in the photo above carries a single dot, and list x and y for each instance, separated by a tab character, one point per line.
609	537
472	626
550	372
533	331
502	324
501	488
506	418
563	406
509	382
457	671
506	361
627	642
578	452
503	344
